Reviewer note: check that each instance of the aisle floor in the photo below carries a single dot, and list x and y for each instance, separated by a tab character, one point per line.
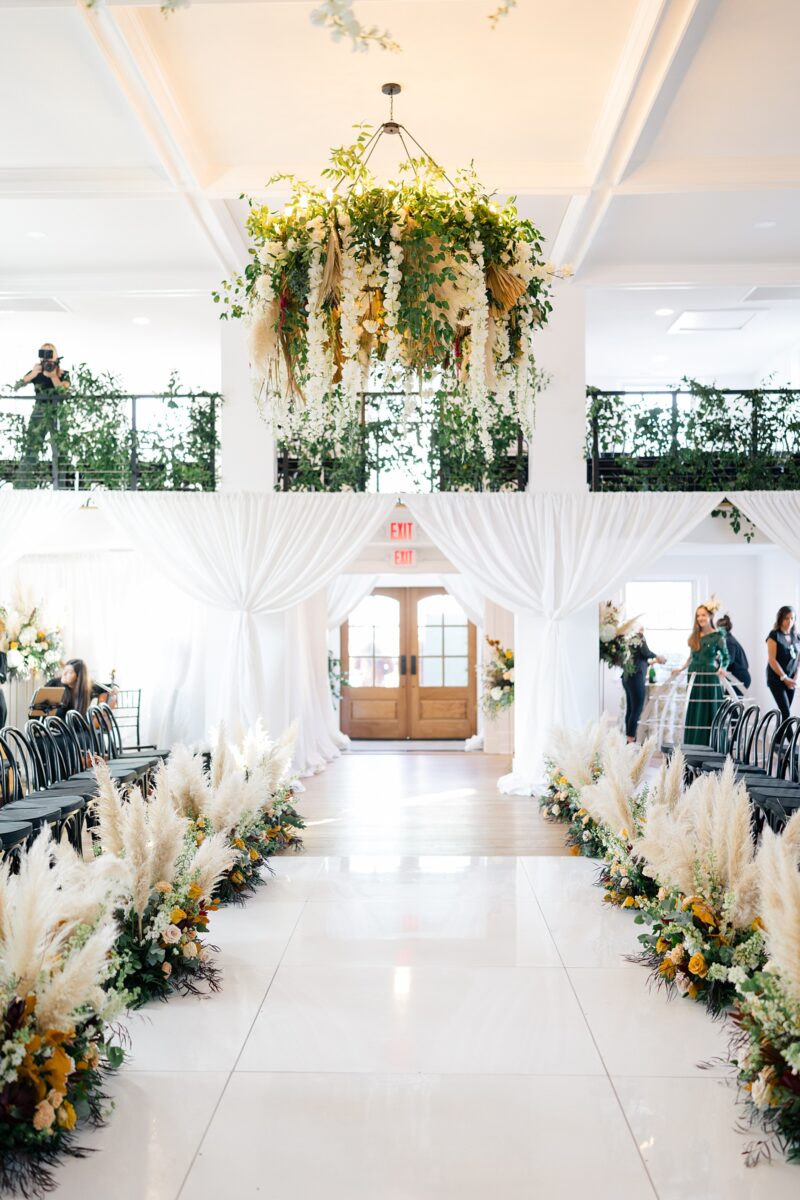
395	1027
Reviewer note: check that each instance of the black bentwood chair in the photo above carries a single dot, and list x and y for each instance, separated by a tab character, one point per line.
24	801
741	741
74	760
716	733
102	716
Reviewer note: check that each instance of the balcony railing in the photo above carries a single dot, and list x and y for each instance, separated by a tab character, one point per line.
75	440
693	438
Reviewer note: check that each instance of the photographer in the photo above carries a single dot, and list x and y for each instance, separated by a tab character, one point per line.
48	379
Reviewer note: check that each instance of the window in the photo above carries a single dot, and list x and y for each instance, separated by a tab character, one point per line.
443	633
373	643
666	608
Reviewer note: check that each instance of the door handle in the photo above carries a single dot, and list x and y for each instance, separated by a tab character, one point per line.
413	664
402	664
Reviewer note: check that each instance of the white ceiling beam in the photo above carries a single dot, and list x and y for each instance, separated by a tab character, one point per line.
663	34
123	42
116	282
689	274
712	175
82	183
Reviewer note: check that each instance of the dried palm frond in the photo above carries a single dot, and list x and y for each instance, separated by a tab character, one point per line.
575	753
88	889
611	801
668	786
230	802
220	757
28	936
263	340
187	782
137	850
331	287
166	832
779	883
505	287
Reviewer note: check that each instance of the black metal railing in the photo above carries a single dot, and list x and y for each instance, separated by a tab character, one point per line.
141	442
693	438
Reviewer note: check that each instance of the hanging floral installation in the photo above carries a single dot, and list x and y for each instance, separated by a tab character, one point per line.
418	287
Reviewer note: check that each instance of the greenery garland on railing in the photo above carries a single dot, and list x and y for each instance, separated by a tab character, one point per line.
96	441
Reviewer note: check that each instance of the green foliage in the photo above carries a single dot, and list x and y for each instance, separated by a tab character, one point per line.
173	444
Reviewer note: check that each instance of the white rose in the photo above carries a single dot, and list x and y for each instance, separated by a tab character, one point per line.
555	810
171	935
624	882
682	982
509	675
607	633
586	836
15	660
496	693
27	636
190	950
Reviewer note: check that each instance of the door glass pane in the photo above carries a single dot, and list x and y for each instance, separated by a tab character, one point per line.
455	639
359	672
387	640
430	639
430	672
360	639
440	610
456	672
387	672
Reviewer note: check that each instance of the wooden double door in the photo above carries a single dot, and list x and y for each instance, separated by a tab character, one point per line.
409	658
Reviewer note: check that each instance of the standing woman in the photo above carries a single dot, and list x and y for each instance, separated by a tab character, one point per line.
707	661
633	684
783	649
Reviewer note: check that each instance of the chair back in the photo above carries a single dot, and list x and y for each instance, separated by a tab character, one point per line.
745	733
8	774
47	751
778	759
101	730
762	738
85	735
789	765
728	726
717	723
67	744
114	734
28	776
127	708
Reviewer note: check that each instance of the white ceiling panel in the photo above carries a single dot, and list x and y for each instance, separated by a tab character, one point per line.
61	107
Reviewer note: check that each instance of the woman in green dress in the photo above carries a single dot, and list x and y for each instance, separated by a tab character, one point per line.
707	662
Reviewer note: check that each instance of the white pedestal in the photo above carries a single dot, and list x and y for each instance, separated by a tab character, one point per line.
19	693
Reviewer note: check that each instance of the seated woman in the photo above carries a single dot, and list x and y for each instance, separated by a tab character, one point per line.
74	678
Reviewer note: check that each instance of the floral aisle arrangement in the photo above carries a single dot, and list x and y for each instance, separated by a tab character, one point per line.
498	679
32	642
619	639
416	287
765	1049
164	912
243	796
574	762
57	1003
617	804
705	932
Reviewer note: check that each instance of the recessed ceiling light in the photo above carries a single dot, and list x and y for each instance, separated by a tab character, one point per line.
664	312
36	233
141	320
765	224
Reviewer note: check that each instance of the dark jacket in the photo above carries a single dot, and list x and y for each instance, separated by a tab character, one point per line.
738	666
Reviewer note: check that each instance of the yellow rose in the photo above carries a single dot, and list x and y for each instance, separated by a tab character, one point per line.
704	913
254	856
662	945
628	902
177	915
667	968
692	991
757	923
238	843
237	877
163	887
66	1115
195	891
13	645
697	966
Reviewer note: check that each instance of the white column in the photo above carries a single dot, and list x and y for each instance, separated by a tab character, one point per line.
247	447
557	461
557	464
498	732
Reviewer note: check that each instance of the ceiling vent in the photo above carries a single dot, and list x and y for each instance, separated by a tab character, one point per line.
31	304
766	295
713	320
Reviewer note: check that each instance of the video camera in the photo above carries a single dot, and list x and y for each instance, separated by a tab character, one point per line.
49	364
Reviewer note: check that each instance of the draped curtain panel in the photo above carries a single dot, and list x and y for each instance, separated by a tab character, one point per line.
247	556
345	592
28	519
776	514
471	599
547	557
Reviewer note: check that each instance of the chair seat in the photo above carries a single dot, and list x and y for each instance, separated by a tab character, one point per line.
13	832
36	814
758	786
67	802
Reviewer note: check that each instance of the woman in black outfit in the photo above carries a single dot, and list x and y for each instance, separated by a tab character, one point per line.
783	650
77	685
634	685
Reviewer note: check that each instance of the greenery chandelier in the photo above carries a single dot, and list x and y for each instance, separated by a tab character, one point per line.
423	286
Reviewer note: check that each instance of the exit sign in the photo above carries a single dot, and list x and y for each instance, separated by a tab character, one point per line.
401	531
404	558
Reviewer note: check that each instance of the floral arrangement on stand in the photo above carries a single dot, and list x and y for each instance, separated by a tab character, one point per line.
57	1005
498	679
163	915
765	1048
32	642
705	931
416	287
618	638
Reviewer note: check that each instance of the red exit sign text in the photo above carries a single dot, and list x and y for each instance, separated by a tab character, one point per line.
404	558
401	531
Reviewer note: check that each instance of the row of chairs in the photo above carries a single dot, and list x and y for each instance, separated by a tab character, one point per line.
47	775
765	751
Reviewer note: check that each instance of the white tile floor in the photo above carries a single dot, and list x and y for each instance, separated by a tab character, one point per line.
424	1029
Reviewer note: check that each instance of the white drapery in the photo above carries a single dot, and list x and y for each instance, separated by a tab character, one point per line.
30	518
345	592
547	557
470	598
777	514
248	557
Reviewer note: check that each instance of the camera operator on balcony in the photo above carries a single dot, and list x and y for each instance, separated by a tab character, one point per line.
49	380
